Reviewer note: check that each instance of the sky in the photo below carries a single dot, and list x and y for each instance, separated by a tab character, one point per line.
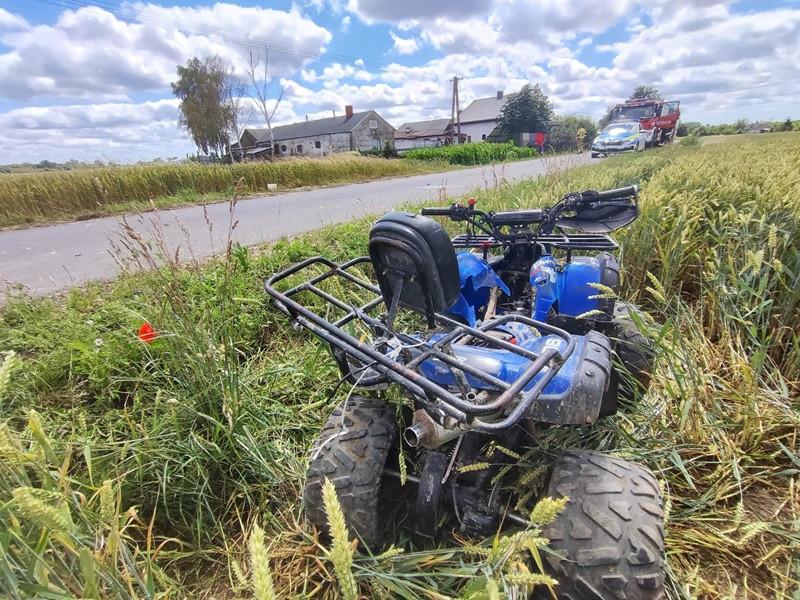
90	80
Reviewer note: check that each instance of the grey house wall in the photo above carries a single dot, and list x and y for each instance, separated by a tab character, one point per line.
366	138
361	137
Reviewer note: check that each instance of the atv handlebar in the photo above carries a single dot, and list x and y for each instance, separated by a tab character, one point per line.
437	212
616	194
493	223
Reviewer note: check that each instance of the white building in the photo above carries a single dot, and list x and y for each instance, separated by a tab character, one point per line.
480	118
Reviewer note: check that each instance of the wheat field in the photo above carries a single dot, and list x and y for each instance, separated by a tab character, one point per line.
62	195
172	468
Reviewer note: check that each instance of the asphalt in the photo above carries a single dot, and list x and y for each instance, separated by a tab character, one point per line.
53	258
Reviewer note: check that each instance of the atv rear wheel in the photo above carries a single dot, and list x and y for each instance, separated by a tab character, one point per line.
611	532
633	348
352	451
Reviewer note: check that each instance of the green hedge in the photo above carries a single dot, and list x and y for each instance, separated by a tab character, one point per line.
471	154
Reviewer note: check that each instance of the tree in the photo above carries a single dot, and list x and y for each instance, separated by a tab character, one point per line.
645	92
208	112
260	82
527	111
787	124
571	133
606	118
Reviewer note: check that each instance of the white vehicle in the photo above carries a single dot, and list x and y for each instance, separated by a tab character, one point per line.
620	136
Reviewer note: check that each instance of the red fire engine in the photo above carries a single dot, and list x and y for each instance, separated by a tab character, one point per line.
658	118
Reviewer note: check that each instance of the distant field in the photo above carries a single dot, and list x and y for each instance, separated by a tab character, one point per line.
64	195
147	465
471	154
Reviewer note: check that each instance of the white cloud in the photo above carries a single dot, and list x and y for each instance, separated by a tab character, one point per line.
88	132
404	46
345	24
722	65
413	10
9	21
91	53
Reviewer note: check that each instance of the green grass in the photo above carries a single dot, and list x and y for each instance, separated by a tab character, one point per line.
204	432
471	154
28	198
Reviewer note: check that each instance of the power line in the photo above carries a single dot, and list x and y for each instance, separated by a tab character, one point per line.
370	66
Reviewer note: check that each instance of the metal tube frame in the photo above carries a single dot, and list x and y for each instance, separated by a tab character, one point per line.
407	374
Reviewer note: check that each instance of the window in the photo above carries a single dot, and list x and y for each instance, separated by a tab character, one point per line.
317	144
483	136
283	147
373	123
299	148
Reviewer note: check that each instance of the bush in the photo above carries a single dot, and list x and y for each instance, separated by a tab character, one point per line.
471	154
563	133
690	140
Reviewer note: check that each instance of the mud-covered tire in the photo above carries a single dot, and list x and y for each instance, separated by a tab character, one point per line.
633	348
351	451
610	535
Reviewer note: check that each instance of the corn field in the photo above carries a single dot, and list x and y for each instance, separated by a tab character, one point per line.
170	466
38	197
471	154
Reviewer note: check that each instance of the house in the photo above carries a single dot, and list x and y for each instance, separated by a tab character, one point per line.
423	134
480	118
758	127
361	131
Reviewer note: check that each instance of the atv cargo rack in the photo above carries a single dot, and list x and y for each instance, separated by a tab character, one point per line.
573	241
397	357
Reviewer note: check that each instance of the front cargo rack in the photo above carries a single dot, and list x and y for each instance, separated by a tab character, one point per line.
397	357
573	241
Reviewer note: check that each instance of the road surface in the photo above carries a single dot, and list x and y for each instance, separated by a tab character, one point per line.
54	258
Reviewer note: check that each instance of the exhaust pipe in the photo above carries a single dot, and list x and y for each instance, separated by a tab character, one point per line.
414	435
426	432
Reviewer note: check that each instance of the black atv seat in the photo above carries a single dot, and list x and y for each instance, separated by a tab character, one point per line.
413	257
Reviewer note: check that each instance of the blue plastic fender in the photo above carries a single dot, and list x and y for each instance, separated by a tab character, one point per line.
476	279
568	287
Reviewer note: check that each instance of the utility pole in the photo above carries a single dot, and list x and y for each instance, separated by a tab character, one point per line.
455	109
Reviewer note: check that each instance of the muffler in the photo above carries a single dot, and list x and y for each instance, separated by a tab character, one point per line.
426	432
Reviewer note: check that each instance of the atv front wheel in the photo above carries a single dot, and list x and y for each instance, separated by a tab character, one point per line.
352	451
610	535
633	348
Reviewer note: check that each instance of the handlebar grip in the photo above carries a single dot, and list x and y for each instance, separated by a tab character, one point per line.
617	194
436	212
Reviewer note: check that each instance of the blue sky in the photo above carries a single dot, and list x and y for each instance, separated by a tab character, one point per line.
90	80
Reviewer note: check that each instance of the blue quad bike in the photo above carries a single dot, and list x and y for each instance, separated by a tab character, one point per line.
488	346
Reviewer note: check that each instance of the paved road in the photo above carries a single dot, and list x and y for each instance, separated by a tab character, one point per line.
53	258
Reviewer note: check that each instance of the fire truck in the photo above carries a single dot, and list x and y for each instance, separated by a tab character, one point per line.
658	118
